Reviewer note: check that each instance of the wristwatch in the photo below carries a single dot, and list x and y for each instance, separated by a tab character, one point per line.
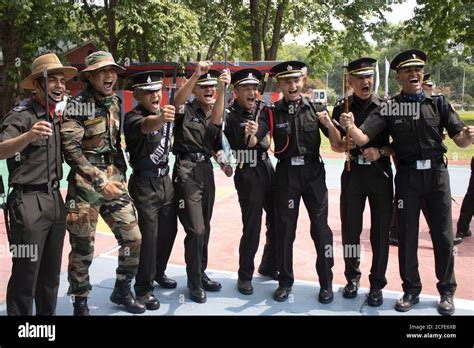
382	152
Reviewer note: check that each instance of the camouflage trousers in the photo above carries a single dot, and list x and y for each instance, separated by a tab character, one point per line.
84	205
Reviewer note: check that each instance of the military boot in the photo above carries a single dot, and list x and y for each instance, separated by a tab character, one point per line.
80	306
122	295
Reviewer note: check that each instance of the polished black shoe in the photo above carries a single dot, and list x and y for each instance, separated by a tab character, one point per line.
149	301
165	282
80	306
350	290
406	302
281	293
468	233
446	305
375	298
197	293
122	295
210	285
325	295
457	240
268	273
245	287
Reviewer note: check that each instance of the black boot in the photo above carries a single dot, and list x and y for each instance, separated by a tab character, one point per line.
80	306
122	295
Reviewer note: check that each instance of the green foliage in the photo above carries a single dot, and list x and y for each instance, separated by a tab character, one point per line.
441	25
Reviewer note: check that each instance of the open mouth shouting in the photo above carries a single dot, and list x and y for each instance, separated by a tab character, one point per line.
108	84
209	97
56	95
414	81
155	104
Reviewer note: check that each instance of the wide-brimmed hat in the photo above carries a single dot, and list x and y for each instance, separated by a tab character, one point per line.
100	59
52	64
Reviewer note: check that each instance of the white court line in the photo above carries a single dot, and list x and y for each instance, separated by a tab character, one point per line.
226	196
108	252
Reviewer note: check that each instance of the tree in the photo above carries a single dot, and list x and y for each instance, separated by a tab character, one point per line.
169	28
26	29
441	25
270	21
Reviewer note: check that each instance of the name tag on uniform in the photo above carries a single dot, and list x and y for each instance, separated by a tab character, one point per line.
282	125
362	161
195	119
423	164
93	121
297	161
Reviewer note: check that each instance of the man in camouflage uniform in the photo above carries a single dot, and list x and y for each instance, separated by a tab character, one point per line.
91	139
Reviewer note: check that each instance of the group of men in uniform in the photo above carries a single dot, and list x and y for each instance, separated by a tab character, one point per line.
143	217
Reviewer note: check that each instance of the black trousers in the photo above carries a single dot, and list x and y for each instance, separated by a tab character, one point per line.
307	182
38	226
467	208
195	194
154	200
254	186
362	182
412	187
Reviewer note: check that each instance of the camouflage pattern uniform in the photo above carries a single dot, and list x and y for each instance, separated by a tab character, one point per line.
92	148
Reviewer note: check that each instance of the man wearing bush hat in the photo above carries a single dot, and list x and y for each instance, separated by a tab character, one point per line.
31	143
92	147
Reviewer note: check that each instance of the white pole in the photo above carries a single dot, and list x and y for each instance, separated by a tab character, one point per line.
463	83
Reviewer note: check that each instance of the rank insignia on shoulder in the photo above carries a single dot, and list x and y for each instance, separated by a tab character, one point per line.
20	108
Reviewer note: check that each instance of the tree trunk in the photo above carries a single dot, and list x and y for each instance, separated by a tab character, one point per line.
211	51
271	52
111	26
11	48
256	36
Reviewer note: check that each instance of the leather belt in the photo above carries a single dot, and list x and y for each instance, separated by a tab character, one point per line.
197	157
300	160
422	164
100	159
45	188
158	173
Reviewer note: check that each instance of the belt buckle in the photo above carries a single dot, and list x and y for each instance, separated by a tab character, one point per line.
423	164
198	156
161	172
297	161
362	161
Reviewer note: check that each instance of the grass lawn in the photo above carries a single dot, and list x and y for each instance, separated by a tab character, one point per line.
454	152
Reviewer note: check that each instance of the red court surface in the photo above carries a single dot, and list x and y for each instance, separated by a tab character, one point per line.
226	233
